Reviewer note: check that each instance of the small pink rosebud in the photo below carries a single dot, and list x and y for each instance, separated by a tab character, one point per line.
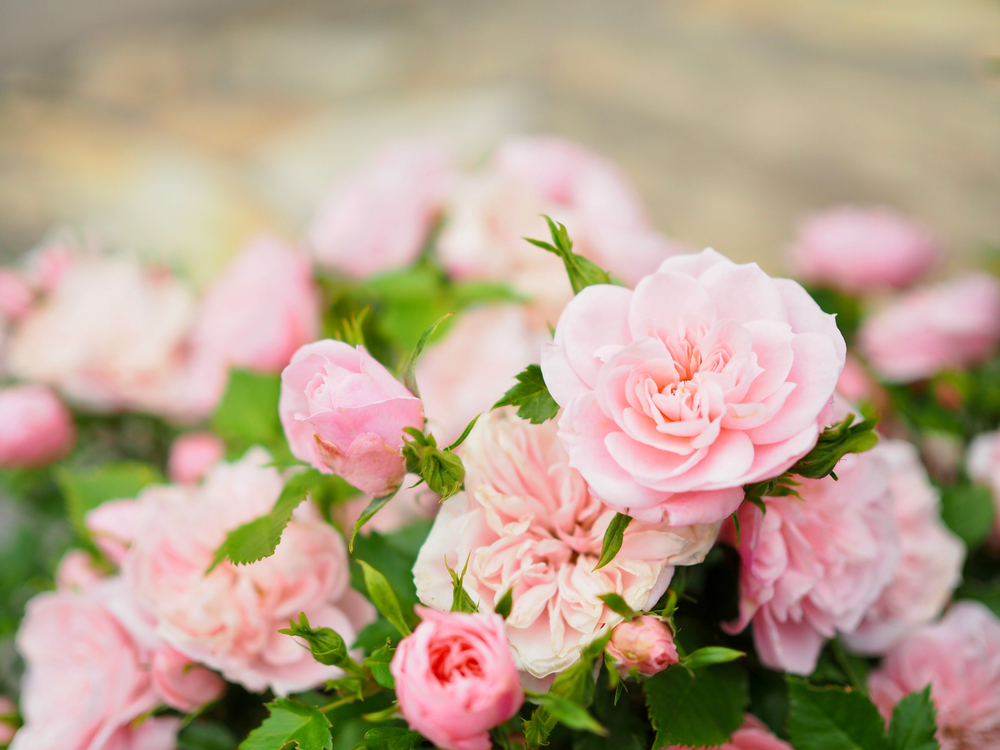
35	427
192	455
344	414
15	295
77	571
645	643
456	679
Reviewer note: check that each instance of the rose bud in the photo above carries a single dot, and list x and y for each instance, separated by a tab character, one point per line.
456	679
646	643
344	414
35	427
192	455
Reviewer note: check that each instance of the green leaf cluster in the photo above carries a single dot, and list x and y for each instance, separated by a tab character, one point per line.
531	397
291	723
582	273
440	468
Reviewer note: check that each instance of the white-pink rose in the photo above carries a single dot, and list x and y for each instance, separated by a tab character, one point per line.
193	454
528	523
983	465
645	644
708	376
36	428
344	414
858	249
953	324
229	619
959	657
379	218
455	678
753	735
261	309
931	565
815	566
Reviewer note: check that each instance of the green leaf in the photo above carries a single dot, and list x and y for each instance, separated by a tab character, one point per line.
614	535
383	598
206	735
465	433
567	712
326	645
409	368
831	718
460	599
85	489
914	723
373	507
531	397
292	723
248	412
620	606
441	469
699	711
968	510
582	273
392	738
505	604
258	538
378	664
708	655
833	444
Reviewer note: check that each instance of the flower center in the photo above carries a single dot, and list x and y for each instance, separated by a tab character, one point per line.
454	658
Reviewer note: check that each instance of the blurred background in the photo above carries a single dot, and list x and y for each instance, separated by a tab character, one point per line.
176	128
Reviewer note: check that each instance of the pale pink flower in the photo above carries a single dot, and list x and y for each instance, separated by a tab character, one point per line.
15	295
261	309
959	657
815	566
953	324
455	678
858	249
193	454
474	366
753	735
112	524
710	375
229	619
379	218
78	571
931	565
36	428
528	523
983	465
645	644
344	414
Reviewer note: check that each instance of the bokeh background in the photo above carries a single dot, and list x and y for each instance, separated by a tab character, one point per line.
176	128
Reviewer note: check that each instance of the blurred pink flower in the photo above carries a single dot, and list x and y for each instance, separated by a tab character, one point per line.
193	454
78	571
344	414
753	735
983	465
7	709
953	324
959	657
455	678
710	375
815	566
645	644
379	218
855	382
112	525
931	565
15	295
527	522
36	428
858	249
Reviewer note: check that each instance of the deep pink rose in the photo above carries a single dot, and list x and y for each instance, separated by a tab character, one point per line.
528	522
455	678
645	644
379	218
959	657
15	295
229	619
983	465
193	454
753	735
931	565
708	376
815	566
35	427
857	249
261	310
344	414
953	324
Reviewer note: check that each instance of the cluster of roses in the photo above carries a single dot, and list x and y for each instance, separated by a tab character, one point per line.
662	416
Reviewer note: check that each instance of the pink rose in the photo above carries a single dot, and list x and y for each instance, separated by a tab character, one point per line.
180	683
474	366
645	644
983	465
528	522
815	566
112	525
78	571
263	307
953	324
35	427
862	248
15	295
455	678
753	735
710	375
193	454
380	217
229	619
959	657
931	565
344	414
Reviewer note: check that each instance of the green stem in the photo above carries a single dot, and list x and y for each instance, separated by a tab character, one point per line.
846	667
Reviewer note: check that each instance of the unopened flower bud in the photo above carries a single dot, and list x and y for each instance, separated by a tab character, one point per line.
645	643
